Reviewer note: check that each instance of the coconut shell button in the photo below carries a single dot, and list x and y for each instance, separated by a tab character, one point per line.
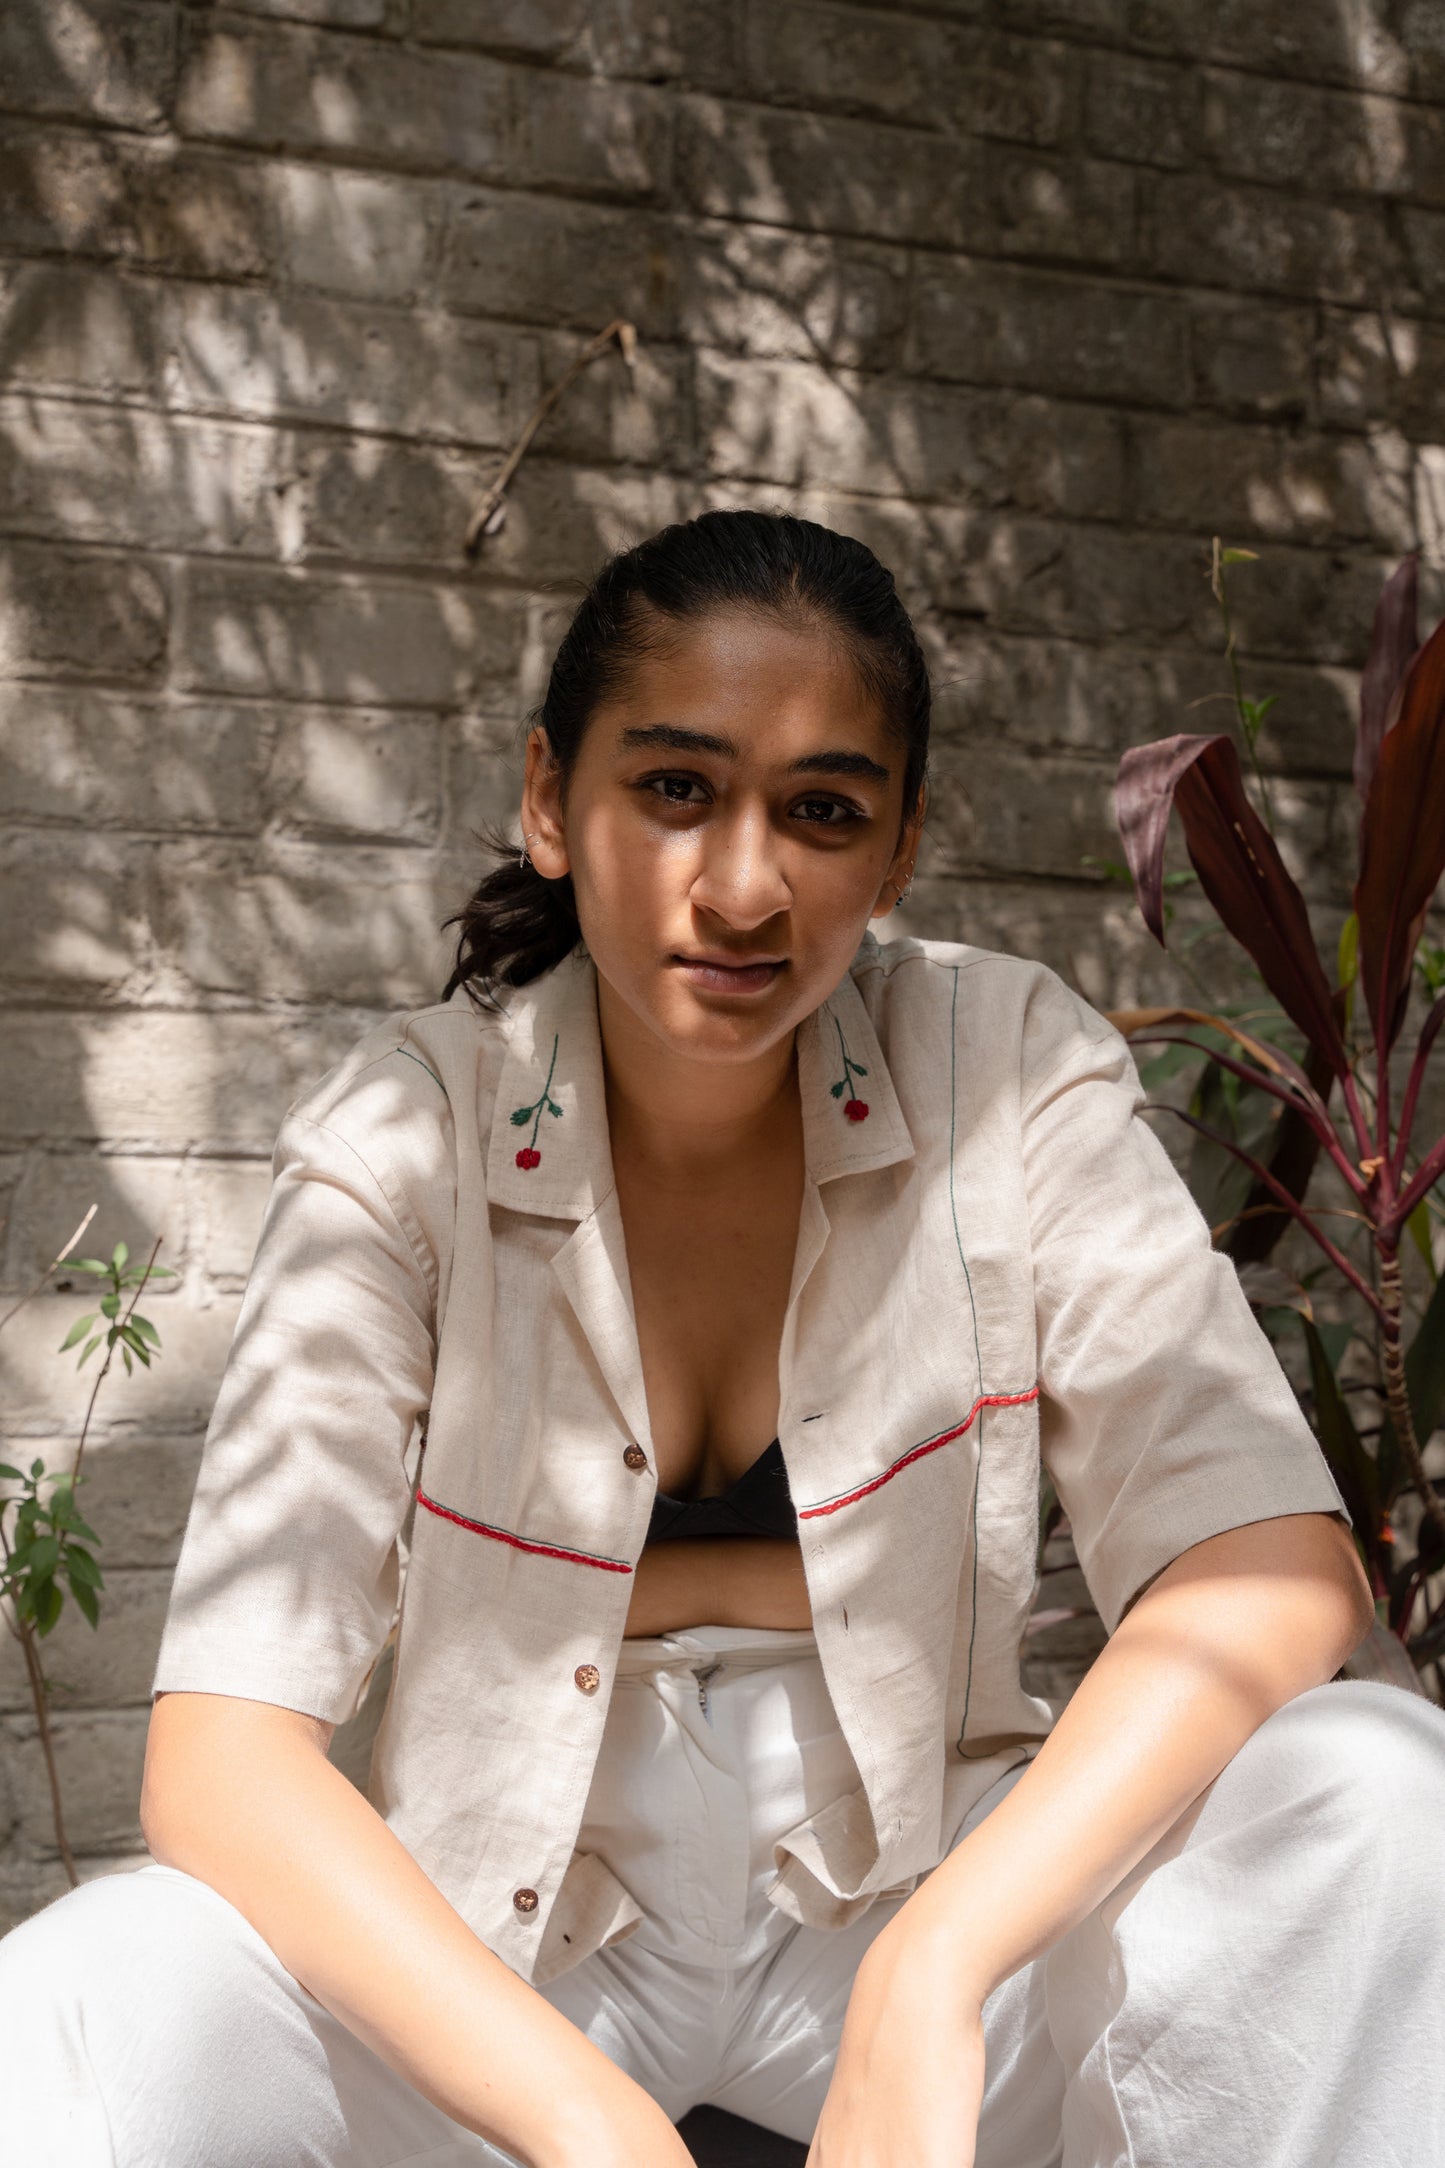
634	1456
588	1678
524	1901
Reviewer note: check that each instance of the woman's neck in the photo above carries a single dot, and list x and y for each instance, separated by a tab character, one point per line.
686	1118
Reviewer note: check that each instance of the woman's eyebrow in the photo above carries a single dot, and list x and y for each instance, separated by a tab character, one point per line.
839	760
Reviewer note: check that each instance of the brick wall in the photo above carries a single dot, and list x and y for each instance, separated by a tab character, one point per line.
1035	298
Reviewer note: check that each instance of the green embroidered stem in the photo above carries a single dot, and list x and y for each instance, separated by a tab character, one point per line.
420	1064
532	1112
977	1353
855	1108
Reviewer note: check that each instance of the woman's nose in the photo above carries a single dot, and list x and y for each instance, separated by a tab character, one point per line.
740	878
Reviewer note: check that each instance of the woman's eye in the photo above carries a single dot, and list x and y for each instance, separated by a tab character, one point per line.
831	806
670	785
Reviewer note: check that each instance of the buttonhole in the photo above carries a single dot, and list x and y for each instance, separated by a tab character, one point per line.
815	1418
566	1938
845	1618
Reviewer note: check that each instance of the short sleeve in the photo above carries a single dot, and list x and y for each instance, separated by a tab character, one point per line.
1164	1415
290	1565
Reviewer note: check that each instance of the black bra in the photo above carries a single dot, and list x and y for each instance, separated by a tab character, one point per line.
759	1503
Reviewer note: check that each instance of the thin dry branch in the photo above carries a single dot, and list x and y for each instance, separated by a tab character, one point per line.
486	519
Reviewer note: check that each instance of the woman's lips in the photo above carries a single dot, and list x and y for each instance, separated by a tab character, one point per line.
728	978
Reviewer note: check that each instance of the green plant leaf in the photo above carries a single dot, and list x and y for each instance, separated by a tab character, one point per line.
81	1566
119	1255
85	1597
46	1606
1418	1226
87	1264
43	1556
133	1341
89	1349
77	1331
146	1329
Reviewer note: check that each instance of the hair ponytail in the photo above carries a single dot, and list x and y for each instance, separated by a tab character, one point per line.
518	924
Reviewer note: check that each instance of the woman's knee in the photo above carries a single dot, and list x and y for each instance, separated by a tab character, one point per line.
1358	1758
153	1964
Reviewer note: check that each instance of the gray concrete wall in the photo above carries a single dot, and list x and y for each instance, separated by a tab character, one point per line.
1036	298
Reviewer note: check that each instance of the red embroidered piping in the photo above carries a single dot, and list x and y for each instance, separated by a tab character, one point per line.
929	1445
520	1543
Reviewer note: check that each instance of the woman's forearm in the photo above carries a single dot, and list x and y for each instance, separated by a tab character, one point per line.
240	1794
1232	1629
718	1581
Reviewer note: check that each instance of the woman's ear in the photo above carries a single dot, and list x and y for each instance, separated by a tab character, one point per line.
542	827
899	877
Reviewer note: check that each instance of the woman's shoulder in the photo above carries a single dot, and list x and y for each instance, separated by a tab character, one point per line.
397	1090
1005	1009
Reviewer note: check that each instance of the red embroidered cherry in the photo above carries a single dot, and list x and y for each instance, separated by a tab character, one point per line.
528	1157
856	1109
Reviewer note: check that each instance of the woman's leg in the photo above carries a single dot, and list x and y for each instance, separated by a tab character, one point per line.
144	2023
1266	1987
790	2010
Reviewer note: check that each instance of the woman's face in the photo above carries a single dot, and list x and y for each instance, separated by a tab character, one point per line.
731	825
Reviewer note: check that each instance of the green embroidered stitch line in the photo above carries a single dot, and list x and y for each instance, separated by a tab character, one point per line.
977	1352
535	1106
422	1065
851	1068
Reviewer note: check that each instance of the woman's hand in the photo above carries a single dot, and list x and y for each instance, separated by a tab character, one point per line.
908	2081
718	1581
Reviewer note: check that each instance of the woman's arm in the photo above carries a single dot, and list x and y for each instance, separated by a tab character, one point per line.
718	1581
1233	1628
240	1794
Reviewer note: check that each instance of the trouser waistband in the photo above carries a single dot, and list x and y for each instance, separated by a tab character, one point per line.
745	1647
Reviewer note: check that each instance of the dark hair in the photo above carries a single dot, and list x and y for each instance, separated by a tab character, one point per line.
519	924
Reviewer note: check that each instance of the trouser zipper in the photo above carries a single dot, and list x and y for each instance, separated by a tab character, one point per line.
702	1676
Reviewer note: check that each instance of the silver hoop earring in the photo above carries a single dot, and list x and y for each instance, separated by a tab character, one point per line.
528	837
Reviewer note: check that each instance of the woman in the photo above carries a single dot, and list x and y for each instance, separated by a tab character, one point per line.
705	1772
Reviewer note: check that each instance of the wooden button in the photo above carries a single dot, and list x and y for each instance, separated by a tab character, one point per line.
524	1900
588	1677
634	1456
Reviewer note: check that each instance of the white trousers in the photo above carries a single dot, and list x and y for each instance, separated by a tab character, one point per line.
1265	1990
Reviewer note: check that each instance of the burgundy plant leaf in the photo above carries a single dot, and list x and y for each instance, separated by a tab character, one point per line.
1144	787
1239	868
1402	841
1394	637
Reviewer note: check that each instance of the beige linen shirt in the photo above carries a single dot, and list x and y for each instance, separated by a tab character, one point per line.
429	1418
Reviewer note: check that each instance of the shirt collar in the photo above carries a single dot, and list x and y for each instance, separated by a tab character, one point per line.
550	1150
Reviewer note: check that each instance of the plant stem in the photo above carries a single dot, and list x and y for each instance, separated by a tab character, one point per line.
1397	1394
109	1355
1221	597
47	1744
32	1292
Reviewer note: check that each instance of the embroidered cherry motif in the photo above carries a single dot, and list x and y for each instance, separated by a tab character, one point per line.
529	1156
856	1109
